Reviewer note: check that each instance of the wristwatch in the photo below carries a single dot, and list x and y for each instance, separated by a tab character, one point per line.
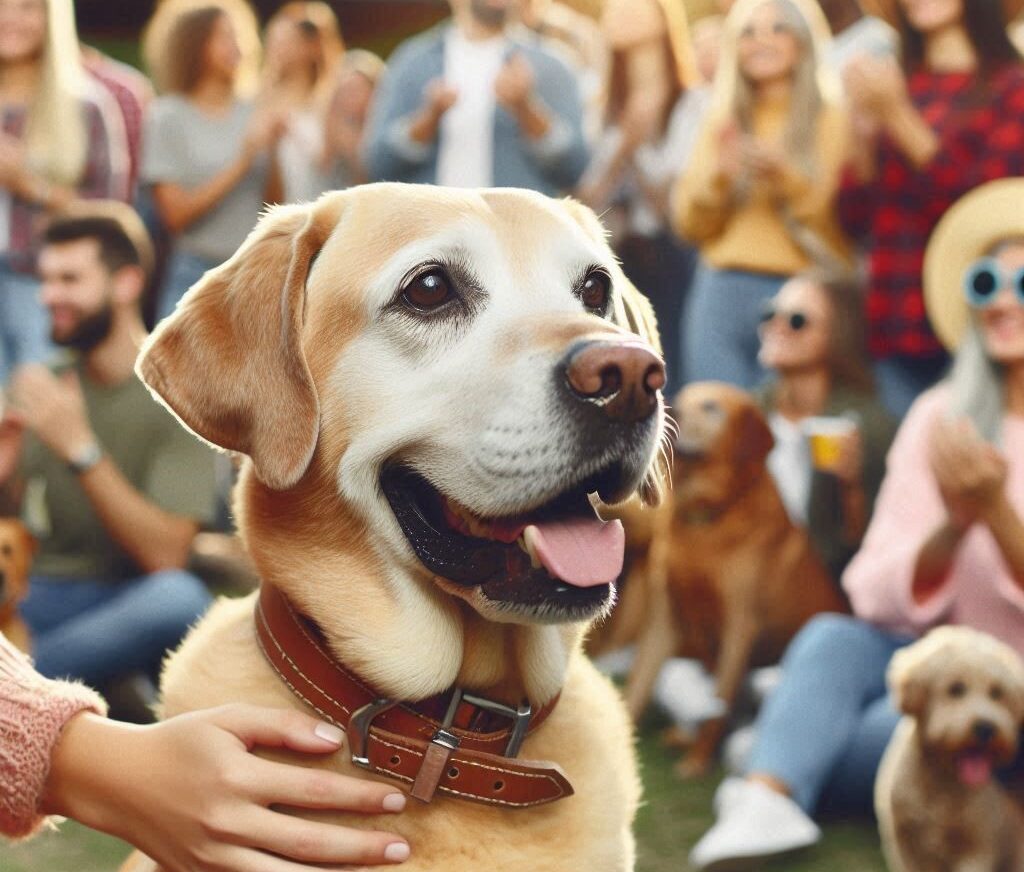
85	457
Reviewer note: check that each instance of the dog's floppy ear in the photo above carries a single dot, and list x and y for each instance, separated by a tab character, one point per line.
229	361
754	436
908	679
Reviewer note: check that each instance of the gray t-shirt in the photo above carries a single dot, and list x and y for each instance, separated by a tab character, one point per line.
186	147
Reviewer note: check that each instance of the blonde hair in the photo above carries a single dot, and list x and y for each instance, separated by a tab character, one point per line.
55	137
174	59
813	85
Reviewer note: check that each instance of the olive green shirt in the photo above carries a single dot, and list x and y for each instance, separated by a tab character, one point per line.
153	451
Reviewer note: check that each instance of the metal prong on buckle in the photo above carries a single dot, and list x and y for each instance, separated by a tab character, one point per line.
359	729
520	718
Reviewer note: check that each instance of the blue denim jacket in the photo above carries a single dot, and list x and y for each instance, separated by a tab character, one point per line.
551	165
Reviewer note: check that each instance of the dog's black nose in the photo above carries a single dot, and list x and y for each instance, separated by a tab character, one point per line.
621	378
984	731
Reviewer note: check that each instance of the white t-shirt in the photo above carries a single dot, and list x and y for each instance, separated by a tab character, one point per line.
790	465
299	153
466	143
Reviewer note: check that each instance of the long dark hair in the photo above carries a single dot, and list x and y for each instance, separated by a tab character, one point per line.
987	29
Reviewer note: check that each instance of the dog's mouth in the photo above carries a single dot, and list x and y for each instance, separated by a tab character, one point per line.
974	767
557	562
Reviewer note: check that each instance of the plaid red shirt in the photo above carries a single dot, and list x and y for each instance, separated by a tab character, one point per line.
982	138
104	177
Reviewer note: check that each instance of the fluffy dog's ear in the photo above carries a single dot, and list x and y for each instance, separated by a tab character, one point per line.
229	361
908	680
755	439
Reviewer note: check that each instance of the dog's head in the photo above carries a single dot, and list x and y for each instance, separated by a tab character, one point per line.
722	439
17	548
966	691
428	384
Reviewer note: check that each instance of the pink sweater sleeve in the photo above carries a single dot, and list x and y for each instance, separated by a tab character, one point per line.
909	508
33	711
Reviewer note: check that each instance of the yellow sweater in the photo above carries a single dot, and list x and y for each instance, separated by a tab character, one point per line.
754	233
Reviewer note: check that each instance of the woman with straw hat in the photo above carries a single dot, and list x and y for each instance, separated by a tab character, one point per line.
945	546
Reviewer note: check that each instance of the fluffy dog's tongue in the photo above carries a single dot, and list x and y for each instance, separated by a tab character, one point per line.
974	769
583	552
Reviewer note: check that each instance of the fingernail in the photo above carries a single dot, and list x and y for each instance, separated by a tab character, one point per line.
394	802
396	852
329	733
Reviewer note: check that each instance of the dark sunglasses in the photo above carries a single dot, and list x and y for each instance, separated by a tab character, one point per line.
985	277
796	321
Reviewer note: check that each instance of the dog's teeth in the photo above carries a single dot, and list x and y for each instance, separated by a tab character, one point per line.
529	546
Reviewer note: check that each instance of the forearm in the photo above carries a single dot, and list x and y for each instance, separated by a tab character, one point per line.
855	514
424	126
35	189
79	788
911	134
153	538
934	562
1008	531
180	207
533	118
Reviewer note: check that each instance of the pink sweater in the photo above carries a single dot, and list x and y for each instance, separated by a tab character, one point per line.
980	592
33	711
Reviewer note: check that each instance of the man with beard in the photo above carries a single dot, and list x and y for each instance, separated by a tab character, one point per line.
114	487
478	102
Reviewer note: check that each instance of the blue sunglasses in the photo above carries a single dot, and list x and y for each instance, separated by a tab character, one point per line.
985	277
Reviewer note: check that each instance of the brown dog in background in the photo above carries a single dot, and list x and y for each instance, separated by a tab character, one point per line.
730	578
17	548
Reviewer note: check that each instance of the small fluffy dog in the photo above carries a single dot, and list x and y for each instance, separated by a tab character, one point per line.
430	386
939	807
730	578
17	548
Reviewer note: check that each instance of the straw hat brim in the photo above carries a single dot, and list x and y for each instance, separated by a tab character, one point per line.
971	226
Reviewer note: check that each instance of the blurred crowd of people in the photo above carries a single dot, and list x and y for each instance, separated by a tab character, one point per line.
770	175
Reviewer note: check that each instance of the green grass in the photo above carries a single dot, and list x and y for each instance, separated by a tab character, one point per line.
673	817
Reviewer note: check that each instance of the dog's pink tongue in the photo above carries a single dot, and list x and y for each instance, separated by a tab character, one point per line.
974	770
583	552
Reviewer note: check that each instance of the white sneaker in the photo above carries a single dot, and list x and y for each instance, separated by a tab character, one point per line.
754	822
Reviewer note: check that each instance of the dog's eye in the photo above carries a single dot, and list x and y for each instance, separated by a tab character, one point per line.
6	550
428	291
957	689
709	407
996	692
595	291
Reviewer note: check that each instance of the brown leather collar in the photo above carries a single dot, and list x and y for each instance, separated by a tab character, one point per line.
455	743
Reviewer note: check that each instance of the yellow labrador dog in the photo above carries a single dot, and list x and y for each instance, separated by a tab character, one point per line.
430	386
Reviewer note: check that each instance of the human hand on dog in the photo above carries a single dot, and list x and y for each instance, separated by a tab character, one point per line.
190	794
970	473
52	407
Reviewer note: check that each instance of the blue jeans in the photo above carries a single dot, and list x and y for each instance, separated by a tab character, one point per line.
96	631
183	271
719	330
901	380
24	322
822	733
